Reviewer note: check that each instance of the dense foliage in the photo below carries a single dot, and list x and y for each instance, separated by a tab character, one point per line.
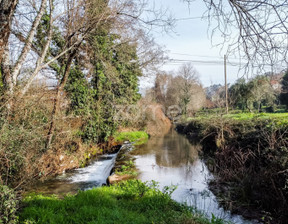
114	81
254	94
8	205
284	93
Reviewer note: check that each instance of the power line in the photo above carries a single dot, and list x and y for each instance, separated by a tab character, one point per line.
200	56
191	18
206	62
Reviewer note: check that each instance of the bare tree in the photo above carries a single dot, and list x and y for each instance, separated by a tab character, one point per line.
28	44
189	88
7	9
257	28
182	90
160	87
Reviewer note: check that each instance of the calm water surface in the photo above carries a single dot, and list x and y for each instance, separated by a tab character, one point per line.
173	160
169	160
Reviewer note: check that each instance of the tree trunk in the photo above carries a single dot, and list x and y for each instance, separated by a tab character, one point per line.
59	90
28	44
7	8
42	55
7	79
6	73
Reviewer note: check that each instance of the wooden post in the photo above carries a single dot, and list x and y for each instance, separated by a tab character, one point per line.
226	89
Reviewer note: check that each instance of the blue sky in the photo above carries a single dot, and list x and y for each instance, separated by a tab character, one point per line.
191	41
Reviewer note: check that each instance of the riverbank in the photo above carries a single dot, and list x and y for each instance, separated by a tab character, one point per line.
59	162
64	164
67	154
249	157
128	202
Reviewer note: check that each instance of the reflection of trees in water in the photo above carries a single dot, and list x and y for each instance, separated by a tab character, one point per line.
172	150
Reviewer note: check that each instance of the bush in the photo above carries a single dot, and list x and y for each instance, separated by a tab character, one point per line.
8	205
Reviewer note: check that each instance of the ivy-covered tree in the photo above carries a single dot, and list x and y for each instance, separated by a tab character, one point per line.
112	80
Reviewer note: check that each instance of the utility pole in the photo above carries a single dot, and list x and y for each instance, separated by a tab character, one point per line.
226	89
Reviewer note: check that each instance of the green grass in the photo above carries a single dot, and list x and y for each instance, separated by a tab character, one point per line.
128	168
138	137
280	117
249	116
132	202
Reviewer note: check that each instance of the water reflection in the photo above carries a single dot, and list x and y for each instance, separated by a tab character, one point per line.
173	160
172	150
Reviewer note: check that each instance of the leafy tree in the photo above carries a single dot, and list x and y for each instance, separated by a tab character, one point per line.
284	90
238	94
254	94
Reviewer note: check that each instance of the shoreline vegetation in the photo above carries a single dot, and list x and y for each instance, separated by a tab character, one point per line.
248	154
128	201
135	137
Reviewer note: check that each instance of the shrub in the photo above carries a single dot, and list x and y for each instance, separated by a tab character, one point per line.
8	205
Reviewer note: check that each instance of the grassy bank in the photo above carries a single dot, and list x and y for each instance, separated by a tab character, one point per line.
124	167
129	202
238	115
248	153
137	137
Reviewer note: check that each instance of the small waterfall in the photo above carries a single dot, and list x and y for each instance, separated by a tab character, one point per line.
95	174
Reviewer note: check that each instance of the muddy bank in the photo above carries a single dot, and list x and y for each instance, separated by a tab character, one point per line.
249	160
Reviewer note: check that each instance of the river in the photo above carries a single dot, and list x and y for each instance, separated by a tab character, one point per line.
173	160
169	160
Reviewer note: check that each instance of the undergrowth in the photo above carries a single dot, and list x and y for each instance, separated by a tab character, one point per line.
248	153
8	205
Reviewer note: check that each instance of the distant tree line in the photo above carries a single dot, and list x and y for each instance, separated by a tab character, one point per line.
262	93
